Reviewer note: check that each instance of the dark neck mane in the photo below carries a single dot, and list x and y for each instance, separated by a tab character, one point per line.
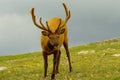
50	46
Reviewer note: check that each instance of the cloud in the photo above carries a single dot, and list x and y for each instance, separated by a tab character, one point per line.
17	34
91	20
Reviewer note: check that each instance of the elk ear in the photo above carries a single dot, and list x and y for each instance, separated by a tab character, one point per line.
61	31
45	33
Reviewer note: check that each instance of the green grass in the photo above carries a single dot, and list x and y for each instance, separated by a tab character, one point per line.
96	63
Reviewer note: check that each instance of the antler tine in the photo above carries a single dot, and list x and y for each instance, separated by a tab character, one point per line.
58	26
48	27
41	22
43	25
59	23
34	20
68	15
67	12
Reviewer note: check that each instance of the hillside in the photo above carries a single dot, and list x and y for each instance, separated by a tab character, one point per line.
94	61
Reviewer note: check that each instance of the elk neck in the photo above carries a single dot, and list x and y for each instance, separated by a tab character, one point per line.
51	47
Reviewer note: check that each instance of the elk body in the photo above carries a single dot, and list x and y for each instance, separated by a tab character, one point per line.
54	35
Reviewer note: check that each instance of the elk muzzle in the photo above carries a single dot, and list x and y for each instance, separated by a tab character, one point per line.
52	43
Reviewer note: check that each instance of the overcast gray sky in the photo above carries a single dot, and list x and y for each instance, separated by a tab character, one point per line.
91	20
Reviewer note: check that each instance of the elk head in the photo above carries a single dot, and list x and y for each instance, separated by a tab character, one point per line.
53	36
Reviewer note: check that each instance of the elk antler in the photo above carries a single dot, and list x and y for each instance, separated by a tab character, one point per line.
68	15
35	23
58	26
48	26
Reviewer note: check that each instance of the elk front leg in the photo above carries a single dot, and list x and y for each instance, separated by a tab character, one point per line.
68	54
45	63
58	62
55	60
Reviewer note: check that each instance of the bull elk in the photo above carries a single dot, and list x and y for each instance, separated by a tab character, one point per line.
54	34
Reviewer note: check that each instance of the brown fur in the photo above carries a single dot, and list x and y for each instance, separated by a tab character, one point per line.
52	38
53	26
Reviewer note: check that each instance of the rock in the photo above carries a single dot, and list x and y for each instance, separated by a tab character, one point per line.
86	52
116	55
2	68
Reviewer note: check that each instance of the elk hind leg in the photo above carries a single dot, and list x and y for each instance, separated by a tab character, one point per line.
65	43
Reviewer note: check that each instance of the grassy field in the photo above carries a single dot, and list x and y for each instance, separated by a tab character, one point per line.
94	61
